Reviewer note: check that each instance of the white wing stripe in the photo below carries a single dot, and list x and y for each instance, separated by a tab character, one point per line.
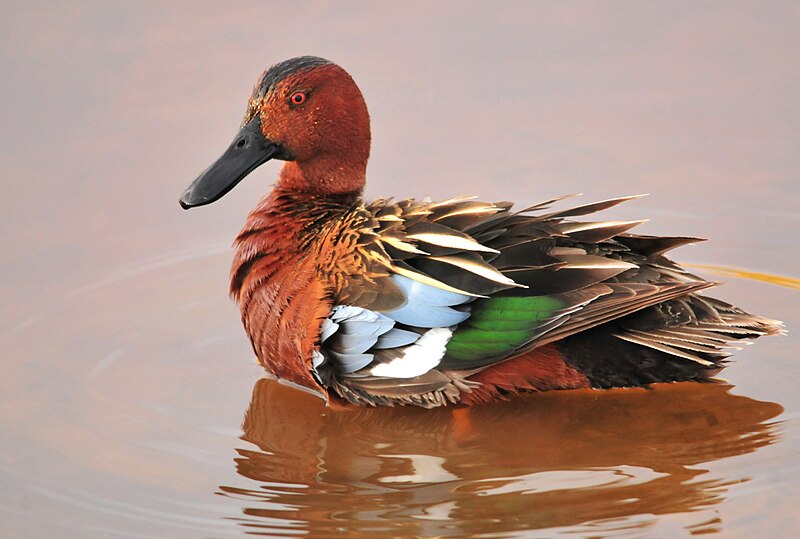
418	358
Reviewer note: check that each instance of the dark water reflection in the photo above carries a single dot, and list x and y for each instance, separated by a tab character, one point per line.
581	458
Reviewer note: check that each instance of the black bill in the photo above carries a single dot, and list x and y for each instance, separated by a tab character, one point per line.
248	150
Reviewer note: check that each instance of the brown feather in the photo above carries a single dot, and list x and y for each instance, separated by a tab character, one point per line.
536	370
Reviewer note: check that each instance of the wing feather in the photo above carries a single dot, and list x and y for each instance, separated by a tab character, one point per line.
503	283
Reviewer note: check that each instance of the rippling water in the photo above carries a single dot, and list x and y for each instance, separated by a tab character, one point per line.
130	402
574	461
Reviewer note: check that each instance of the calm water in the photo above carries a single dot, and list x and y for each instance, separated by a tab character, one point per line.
130	403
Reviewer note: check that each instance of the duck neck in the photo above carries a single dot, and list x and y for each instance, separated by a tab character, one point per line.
324	175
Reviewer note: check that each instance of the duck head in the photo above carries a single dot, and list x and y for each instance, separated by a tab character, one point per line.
306	111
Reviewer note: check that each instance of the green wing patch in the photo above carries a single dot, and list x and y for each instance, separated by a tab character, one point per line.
500	325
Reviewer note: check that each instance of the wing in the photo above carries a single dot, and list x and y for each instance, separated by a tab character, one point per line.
430	293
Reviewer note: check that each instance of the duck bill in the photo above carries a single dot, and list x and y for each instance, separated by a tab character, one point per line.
248	150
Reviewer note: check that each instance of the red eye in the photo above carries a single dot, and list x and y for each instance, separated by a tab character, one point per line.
298	98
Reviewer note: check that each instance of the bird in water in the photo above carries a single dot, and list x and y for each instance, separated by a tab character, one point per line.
434	303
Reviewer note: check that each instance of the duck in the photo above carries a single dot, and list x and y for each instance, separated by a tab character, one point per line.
452	302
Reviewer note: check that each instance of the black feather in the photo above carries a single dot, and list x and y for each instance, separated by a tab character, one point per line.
281	70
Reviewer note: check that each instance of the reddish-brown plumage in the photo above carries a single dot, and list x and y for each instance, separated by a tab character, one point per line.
292	257
280	294
540	369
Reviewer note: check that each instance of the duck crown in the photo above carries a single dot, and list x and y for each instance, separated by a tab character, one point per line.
272	76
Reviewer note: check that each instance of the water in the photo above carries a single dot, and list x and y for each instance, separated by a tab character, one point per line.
130	402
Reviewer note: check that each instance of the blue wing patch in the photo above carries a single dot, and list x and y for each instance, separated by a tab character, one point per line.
352	338
427	306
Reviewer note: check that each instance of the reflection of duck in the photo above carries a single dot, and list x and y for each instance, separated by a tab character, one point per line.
427	303
553	459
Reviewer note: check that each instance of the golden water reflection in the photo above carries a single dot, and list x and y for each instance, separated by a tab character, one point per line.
577	458
728	271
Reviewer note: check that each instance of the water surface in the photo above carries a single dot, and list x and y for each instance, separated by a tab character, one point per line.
130	403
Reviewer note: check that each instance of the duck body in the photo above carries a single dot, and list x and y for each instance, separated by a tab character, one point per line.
434	303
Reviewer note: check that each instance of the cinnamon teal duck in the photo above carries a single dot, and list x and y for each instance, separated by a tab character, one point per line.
435	303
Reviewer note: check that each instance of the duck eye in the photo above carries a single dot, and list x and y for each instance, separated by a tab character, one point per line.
298	98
